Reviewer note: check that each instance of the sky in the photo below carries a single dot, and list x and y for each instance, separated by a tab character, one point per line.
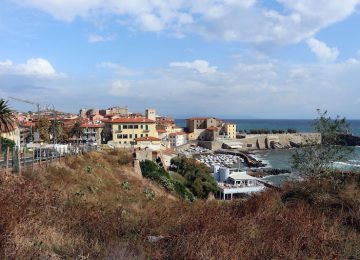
225	58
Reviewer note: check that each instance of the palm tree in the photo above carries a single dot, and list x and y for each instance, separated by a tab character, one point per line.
7	118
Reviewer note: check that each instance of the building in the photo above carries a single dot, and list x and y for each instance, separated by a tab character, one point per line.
177	139
150	113
233	183
92	133
114	111
122	132
230	130
203	123
148	142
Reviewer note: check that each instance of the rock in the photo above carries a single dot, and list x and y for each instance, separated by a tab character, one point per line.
154	239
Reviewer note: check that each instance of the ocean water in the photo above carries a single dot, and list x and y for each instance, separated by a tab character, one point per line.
282	159
301	125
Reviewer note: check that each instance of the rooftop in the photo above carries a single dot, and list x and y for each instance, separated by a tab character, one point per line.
177	133
130	120
147	138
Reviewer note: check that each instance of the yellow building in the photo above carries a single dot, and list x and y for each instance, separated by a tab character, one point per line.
124	131
230	130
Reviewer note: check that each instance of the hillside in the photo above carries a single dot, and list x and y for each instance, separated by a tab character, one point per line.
96	206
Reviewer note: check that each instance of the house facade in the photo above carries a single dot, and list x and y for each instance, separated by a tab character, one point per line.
177	139
123	131
92	133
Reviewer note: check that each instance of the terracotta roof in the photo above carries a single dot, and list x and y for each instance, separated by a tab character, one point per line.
130	120
92	126
147	138
212	128
177	133
161	131
27	124
169	151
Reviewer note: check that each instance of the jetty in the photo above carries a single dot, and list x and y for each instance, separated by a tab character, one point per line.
248	159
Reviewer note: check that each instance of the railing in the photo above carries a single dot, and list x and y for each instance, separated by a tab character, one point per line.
15	160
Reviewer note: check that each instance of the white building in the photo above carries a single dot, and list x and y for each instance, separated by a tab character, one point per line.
235	183
177	139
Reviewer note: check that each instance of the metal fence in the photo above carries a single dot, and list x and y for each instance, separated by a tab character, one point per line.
15	160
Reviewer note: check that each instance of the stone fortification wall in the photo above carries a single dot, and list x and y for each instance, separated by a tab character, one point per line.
269	141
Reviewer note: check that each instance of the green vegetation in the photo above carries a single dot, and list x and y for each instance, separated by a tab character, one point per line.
158	174
5	143
43	127
7	119
316	159
198	176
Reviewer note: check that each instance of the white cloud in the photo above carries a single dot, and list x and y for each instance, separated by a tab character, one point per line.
37	67
119	69
228	20
201	66
264	89
322	51
119	88
94	38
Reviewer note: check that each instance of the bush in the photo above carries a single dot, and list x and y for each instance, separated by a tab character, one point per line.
156	173
198	176
5	143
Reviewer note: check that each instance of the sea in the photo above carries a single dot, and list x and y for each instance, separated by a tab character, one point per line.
301	125
281	159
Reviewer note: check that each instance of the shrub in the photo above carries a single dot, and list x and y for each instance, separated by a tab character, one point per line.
198	176
88	169
125	185
149	194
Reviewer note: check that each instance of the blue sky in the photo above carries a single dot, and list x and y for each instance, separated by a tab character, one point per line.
227	58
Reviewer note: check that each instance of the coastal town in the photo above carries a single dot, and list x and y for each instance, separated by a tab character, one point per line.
211	141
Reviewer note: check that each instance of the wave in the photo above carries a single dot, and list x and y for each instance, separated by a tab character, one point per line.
347	164
355	161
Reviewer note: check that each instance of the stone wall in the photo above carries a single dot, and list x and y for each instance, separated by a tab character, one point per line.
269	141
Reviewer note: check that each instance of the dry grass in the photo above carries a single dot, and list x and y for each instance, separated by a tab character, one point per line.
93	207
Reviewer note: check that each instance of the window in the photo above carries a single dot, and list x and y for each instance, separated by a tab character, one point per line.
135	135
125	136
125	127
130	136
142	126
119	136
146	135
131	127
136	126
146	127
141	135
119	127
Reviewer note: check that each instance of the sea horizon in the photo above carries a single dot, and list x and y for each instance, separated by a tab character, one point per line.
300	125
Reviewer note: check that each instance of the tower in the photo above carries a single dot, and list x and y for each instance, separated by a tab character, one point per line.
150	113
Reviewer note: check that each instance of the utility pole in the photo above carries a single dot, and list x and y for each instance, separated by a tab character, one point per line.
32	103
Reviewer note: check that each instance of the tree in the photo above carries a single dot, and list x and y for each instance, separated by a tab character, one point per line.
315	159
198	176
5	143
76	130
43	127
7	118
58	131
